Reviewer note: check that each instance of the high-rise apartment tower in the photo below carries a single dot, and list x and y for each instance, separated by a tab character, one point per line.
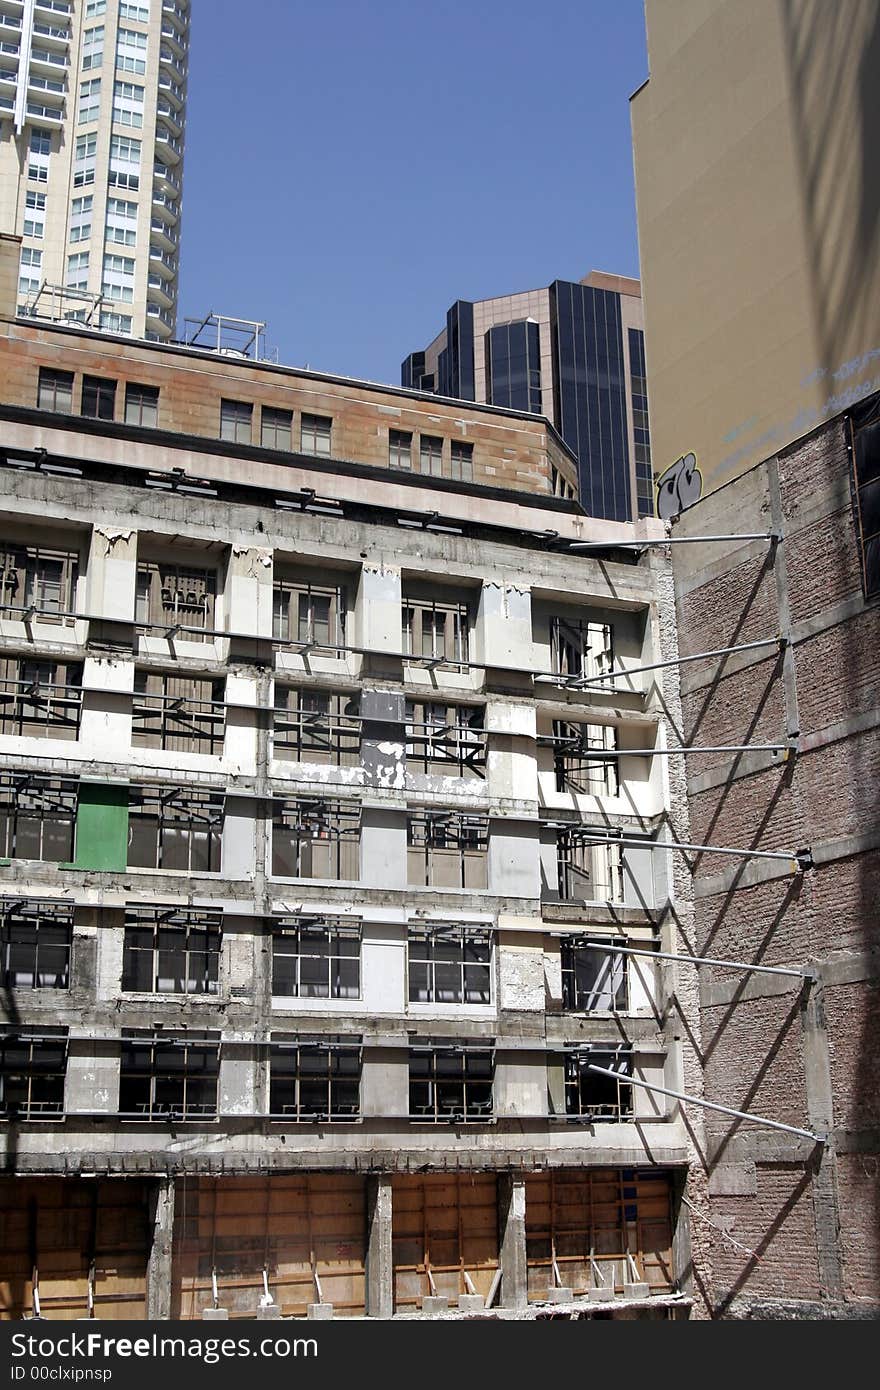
92	119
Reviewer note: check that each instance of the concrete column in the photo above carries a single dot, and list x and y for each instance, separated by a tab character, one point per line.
380	1260
159	1263
512	1228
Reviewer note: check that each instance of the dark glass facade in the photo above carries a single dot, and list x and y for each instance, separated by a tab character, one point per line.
455	364
513	366
413	375
591	393
641	434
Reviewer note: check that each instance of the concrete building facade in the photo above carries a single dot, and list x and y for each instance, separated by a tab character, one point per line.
92	127
323	853
572	351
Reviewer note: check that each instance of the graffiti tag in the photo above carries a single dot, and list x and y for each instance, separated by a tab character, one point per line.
679	487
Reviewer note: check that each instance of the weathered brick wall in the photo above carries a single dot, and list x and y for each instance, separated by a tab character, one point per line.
808	1214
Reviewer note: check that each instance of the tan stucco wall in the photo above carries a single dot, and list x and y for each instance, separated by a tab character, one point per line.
758	193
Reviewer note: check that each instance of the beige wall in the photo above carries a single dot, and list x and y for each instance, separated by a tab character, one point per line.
758	190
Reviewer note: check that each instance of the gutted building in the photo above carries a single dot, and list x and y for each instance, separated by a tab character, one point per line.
329	819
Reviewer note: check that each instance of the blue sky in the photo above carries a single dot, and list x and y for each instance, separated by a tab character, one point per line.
353	168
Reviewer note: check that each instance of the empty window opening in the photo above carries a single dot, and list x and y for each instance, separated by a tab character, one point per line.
435	630
35	943
592	1095
39	580
450	965
316	958
316	838
594	978
175	828
446	849
445	740
588	871
580	648
40	699
171	1076
317	726
178	713
37	817
580	758
33	1064
176	597
171	951
307	612
450	1080
312	1078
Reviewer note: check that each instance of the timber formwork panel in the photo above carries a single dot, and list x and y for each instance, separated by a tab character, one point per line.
308	1232
578	1218
72	1233
444	1226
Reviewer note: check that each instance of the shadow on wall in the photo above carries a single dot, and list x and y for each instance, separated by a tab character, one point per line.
833	53
834	72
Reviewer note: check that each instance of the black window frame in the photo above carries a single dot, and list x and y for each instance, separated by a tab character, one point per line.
27	800
29	1054
141	402
236	421
177	811
32	927
52	385
98	398
275	423
180	1059
449	1080
309	820
190	937
575	953
438	957
295	940
323	1072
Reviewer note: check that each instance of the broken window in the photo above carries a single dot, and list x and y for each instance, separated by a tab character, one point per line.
316	838
450	1080
866	492
171	1076
445	740
40	699
38	578
435	629
594	977
98	401
175	596
55	390
275	428
593	1095
37	817
175	828
317	726
33	1063
171	951
450	964
35	941
446	849
178	713
589	870
313	1077
307	611
579	648
235	421
315	434
316	958
579	761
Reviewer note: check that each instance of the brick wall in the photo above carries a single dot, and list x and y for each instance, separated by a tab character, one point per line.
795	1222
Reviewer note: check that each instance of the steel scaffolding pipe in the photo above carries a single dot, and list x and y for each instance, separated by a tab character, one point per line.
604	943
674	540
662	665
712	1105
802	858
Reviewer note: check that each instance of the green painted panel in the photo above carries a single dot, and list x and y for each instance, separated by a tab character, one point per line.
101	826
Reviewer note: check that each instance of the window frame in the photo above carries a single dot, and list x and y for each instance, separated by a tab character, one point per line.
191	936
276	423
453	973
438	839
50	1068
440	746
580	999
336	1052
26	800
294	816
329	735
236	421
36	923
198	826
99	392
141	400
189	720
576	1061
440	1086
55	386
299	932
316	435
200	1049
